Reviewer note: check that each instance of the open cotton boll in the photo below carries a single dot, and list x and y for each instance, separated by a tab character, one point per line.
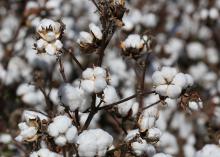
24	88
94	142
60	140
85	37
100	72
71	134
142	147
173	91
134	41
161	155
30	115
44	152
74	97
88	86
169	144
5	138
158	78
195	50
168	73
214	13
96	31
154	133
88	73
52	130
195	106
162	90
146	122
180	80
62	123
209	150
110	95
131	134
99	84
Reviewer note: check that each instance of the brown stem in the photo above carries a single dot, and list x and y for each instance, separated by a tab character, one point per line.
69	51
62	72
92	113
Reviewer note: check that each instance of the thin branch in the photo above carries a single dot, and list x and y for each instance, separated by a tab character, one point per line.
74	58
62	72
155	103
91	114
124	100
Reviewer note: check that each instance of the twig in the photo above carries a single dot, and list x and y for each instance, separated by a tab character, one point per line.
62	72
93	111
74	58
155	103
124	100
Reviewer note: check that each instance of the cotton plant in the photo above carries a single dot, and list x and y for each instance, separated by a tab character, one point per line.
109	78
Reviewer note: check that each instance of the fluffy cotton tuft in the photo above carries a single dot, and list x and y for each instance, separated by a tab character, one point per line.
94	142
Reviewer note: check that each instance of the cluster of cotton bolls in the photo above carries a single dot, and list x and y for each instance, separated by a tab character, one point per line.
62	130
94	80
94	142
94	99
29	128
169	83
49	32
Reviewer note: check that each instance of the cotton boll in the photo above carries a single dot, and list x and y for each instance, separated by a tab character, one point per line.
99	72
208	150
62	123
195	50
154	133
50	49
110	95
158	78
53	130
99	84
96	31
88	85
142	147
85	37
131	134
173	91
94	141
146	122
71	134
73	97
88	74
41	44
24	88
60	140
189	150
180	80
134	41
195	106
168	73
162	155
212	55
162	90
5	138
214	13
28	132
168	143
189	79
